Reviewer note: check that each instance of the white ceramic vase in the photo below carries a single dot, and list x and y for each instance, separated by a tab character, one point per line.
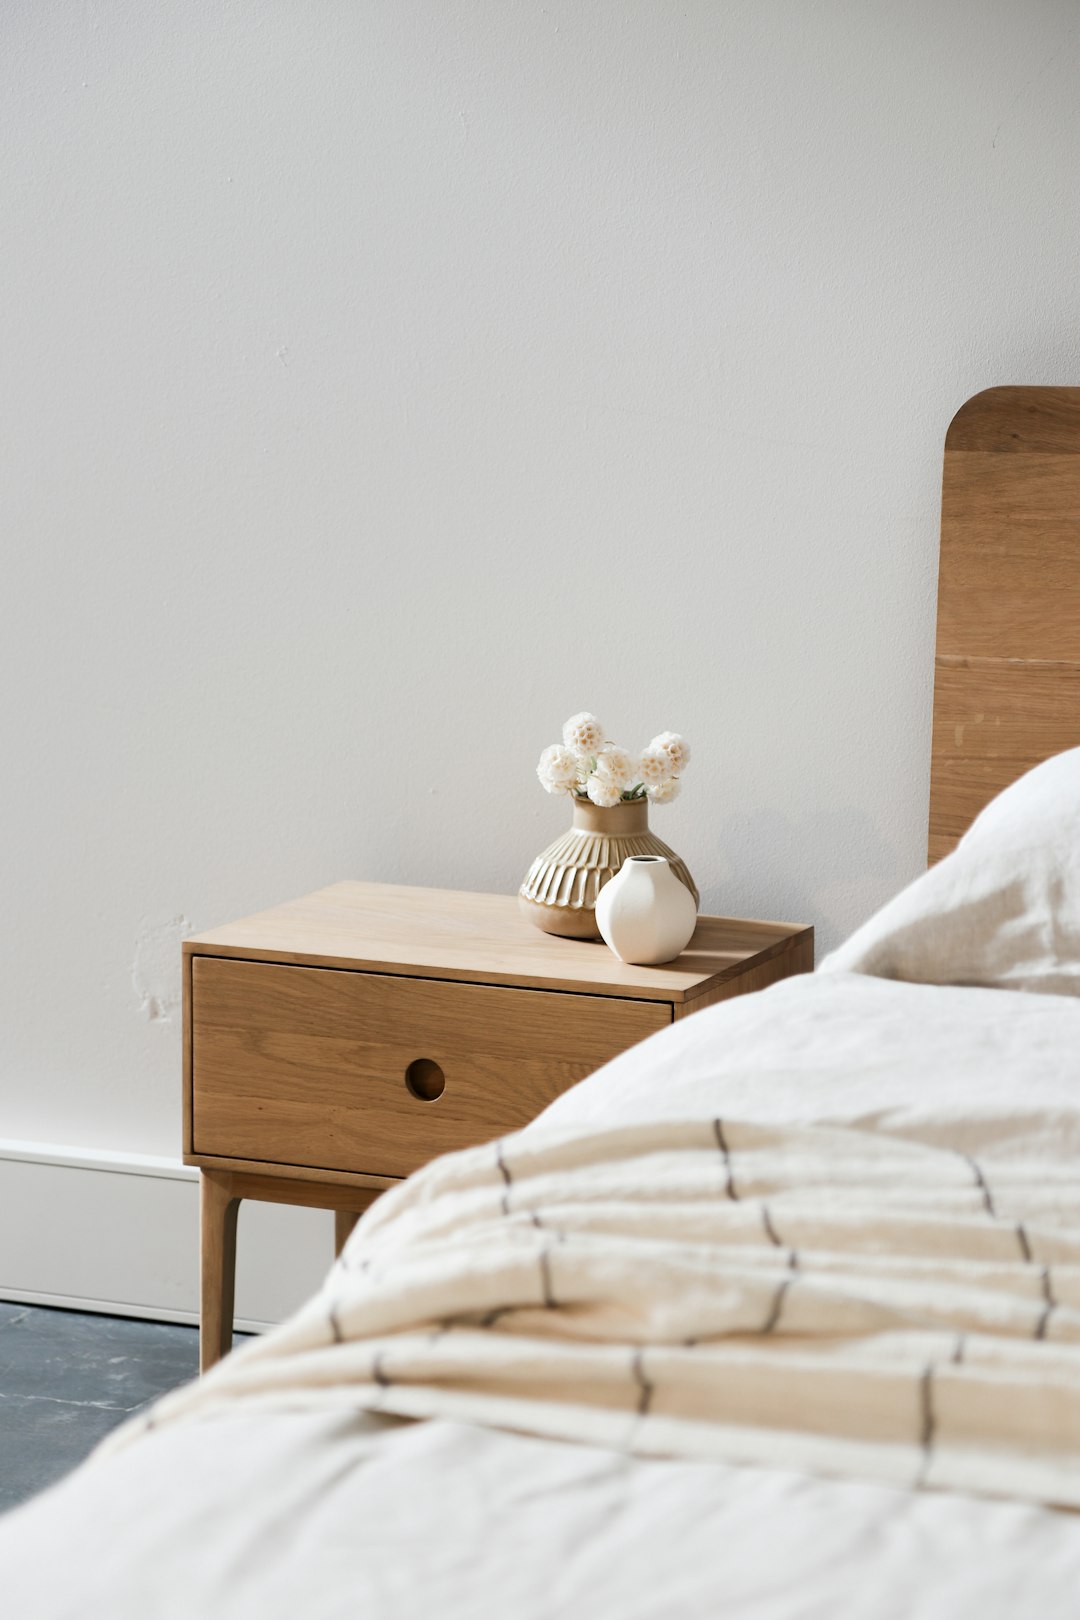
645	915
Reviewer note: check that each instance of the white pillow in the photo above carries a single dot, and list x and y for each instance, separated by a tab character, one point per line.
1002	910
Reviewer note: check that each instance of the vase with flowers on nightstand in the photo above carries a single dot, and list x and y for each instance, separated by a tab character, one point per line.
611	791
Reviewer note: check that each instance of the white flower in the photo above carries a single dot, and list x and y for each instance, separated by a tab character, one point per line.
583	733
602	791
654	766
664	792
676	748
557	769
616	765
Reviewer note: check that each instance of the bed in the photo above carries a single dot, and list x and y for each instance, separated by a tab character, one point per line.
778	1314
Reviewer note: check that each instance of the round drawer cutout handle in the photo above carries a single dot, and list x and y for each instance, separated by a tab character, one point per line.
425	1079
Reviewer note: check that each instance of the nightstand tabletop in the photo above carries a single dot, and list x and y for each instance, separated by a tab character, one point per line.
482	938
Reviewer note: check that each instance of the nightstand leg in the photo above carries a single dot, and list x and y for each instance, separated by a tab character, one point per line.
344	1221
219	1206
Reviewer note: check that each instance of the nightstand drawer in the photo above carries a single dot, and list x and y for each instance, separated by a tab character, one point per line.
339	1070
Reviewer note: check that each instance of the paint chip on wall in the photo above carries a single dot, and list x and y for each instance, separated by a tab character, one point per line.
155	971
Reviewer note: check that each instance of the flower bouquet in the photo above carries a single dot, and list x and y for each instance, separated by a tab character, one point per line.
611	790
588	767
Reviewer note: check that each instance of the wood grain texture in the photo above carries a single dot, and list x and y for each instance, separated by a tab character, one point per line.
306	1066
337	1187
993	721
186	1128
798	958
219	1205
344	1221
1017	418
1007	672
477	938
277	1189
1008	585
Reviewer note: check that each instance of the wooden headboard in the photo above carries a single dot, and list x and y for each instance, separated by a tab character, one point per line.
1007	673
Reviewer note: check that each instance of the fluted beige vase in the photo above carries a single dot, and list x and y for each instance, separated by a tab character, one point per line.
560	889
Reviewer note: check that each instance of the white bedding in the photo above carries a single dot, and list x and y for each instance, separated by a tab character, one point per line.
334	1513
343	1518
1002	910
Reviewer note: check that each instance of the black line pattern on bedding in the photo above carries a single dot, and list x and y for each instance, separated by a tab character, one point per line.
505	1173
928	1383
770	1230
721	1142
644	1384
929	1424
769	1325
1049	1306
981	1183
545	1278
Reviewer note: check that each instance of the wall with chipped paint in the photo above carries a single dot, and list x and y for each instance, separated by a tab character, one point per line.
383	382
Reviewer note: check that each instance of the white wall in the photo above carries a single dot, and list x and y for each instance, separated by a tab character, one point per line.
383	381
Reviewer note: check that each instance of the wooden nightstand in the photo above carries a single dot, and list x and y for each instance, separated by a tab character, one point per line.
333	1045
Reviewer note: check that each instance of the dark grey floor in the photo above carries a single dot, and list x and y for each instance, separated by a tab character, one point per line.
67	1378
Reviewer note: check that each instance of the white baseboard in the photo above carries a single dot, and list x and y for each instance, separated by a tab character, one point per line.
119	1233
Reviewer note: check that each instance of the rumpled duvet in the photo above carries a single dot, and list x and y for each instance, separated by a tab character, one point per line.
847	1298
855	1197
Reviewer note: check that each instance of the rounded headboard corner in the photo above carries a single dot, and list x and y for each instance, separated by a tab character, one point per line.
973	412
1015	416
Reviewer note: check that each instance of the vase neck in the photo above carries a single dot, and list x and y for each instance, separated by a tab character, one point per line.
651	869
621	821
